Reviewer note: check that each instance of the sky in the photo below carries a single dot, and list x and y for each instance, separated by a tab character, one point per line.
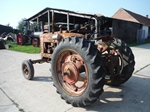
12	11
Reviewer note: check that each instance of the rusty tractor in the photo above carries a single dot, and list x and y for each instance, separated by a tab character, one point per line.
82	61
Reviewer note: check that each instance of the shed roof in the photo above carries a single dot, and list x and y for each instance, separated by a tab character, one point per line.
131	16
43	14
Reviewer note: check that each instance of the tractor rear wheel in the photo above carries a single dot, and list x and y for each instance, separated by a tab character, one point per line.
21	40
127	61
78	72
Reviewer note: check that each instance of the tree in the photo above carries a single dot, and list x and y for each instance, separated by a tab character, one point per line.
21	24
33	25
25	25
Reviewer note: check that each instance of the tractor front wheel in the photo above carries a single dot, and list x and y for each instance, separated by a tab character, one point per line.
28	69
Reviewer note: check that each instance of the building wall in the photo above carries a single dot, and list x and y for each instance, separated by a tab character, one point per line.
145	28
127	31
143	34
149	33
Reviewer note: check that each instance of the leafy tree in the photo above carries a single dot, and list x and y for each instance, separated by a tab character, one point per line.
33	26
21	24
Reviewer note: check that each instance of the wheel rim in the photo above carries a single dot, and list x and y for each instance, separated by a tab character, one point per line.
120	60
72	74
25	71
35	42
19	39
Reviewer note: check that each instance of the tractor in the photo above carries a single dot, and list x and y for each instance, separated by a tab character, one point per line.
83	60
29	35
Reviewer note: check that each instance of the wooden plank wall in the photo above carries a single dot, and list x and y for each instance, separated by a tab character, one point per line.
127	31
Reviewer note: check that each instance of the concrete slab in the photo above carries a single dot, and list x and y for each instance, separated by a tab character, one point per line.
39	95
142	56
144	71
133	96
4	100
142	59
6	105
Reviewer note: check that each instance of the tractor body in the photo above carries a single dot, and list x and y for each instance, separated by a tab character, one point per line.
83	59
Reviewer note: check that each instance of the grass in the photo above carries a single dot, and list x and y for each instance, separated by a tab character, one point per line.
140	43
34	50
24	48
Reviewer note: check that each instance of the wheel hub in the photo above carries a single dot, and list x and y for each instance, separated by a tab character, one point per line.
70	73
26	71
35	42
19	39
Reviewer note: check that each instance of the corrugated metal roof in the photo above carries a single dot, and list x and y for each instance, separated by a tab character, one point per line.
44	11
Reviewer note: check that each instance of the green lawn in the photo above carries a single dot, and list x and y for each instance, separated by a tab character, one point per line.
24	48
140	43
34	50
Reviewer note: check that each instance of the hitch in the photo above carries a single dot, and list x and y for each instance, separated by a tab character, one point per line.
40	61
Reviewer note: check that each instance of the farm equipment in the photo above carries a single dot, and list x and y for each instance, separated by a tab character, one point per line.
83	60
7	37
29	36
4	37
33	39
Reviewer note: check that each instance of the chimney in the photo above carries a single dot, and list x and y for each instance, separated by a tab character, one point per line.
146	16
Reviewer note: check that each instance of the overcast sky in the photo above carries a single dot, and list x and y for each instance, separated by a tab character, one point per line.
12	11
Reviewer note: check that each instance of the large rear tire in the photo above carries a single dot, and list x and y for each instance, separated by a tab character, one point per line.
2	44
127	60
21	40
78	72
